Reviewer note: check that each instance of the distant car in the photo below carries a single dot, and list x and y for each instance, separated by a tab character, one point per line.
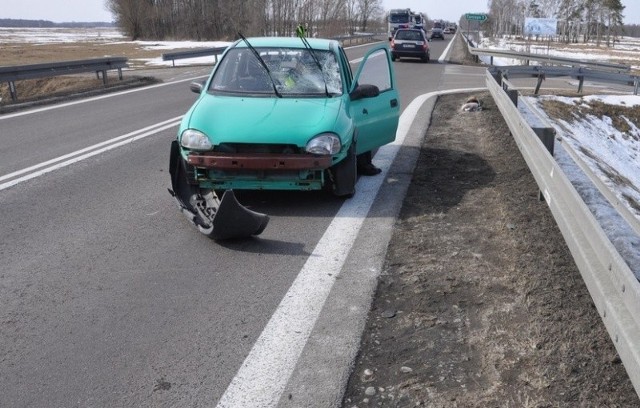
410	43
280	113
437	33
448	30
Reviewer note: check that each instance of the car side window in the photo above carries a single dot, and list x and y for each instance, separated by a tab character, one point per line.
376	71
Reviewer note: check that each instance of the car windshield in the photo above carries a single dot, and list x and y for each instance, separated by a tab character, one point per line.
409	36
399	18
293	70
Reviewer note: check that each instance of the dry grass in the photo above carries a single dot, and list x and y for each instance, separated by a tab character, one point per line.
620	115
15	54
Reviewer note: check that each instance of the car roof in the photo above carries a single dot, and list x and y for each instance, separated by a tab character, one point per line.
409	30
289	42
418	30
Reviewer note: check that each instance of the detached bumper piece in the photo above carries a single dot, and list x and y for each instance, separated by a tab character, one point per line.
215	218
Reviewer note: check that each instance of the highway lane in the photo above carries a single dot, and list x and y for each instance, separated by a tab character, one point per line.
107	296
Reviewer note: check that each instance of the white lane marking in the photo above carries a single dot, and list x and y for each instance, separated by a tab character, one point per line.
266	370
95	98
264	374
85	153
86	149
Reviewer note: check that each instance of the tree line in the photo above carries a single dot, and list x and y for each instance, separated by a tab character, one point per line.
223	19
578	20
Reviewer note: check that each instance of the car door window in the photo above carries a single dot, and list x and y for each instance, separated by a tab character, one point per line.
376	71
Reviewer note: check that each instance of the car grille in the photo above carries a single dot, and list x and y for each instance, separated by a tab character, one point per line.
258	148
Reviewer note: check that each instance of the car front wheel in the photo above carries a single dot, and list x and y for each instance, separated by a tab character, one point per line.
344	174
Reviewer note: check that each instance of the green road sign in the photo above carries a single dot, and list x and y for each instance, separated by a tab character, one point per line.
475	17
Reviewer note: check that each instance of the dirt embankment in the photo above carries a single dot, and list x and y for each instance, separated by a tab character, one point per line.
480	303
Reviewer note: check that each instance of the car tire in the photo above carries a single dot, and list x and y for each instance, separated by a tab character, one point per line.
393	57
345	174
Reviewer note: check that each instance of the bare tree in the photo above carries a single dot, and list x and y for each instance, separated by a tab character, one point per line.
221	19
368	10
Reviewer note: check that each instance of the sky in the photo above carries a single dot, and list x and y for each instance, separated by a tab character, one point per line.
94	10
452	10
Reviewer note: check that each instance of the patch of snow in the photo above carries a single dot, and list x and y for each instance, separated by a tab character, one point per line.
612	156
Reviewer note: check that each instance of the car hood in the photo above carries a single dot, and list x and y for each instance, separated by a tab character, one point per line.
233	119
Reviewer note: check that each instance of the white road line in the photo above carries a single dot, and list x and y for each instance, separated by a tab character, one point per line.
266	370
95	98
90	151
264	374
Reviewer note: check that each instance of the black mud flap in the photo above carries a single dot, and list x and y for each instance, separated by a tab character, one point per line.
217	219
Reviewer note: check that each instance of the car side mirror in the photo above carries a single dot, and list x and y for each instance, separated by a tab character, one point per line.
197	87
364	91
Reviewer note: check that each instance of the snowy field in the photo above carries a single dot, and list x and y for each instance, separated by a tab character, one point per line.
625	51
108	36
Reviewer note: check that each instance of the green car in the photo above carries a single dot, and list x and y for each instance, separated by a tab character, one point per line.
279	113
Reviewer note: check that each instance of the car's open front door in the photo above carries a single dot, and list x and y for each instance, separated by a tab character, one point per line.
376	116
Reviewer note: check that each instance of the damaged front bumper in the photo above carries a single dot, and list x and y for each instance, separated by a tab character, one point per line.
217	218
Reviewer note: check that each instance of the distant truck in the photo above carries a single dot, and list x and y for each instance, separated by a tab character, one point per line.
403	18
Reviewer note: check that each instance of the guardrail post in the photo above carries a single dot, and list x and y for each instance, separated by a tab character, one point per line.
12	91
580	83
497	76
104	77
547	136
511	93
541	78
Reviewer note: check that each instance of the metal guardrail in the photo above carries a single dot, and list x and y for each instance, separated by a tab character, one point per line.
612	285
200	52
205	52
357	39
541	72
544	59
99	66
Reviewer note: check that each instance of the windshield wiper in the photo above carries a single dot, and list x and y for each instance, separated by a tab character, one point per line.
315	58
264	64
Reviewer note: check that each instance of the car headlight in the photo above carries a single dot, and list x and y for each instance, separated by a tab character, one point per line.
324	144
195	140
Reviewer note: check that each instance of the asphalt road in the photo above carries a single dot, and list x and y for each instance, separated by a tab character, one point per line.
108	297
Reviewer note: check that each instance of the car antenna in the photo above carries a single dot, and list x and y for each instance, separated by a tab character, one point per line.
255	52
300	32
